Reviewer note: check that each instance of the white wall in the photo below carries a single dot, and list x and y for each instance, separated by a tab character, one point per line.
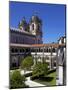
60	75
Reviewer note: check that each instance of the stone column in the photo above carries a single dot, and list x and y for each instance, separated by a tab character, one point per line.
51	60
36	55
60	67
57	68
43	56
34	61
64	67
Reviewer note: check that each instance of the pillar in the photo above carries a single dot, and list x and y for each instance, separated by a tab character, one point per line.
64	67
43	56
57	68
36	55
51	60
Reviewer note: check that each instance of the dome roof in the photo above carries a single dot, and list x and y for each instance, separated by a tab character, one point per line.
35	19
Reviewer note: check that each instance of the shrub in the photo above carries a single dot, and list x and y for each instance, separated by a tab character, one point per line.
16	80
27	63
40	69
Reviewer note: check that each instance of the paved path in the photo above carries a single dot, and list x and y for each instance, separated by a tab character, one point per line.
32	83
22	72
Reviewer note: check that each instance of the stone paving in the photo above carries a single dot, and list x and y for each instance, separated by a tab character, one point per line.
31	83
22	72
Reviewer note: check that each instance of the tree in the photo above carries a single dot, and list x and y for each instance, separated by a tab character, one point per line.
27	63
40	69
16	80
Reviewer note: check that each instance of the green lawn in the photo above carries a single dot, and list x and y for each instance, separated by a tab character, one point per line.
50	80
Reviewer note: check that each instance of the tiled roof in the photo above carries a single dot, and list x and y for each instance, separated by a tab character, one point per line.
47	45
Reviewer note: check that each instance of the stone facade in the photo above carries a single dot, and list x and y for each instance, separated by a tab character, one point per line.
27	34
61	63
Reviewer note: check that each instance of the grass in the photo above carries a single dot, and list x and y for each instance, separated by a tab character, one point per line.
53	82
50	80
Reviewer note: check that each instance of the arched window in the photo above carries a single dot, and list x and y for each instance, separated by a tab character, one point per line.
47	49
16	50
32	26
12	50
20	50
53	49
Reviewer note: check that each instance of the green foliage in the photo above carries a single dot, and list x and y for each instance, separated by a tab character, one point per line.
27	63
40	69
16	80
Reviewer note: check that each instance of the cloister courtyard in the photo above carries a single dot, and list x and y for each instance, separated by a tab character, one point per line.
35	76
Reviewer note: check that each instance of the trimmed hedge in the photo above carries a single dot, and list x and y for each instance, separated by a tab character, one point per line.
41	76
51	71
36	77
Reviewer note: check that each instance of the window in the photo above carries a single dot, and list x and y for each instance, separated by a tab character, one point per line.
53	50
12	50
20	50
16	50
14	64
47	49
33	26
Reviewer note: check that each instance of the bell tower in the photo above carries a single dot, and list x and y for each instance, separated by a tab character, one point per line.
35	28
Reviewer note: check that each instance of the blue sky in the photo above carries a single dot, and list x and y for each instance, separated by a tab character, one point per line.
52	15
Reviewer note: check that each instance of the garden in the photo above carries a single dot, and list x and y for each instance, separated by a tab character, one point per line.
38	73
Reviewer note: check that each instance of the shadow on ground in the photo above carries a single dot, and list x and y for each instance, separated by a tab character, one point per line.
47	79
